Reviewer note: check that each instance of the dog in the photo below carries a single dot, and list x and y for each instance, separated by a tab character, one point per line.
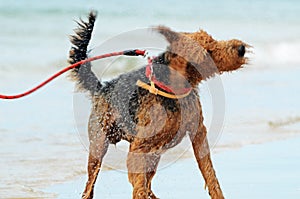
154	107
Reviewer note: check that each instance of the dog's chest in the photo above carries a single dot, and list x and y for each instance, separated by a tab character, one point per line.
163	124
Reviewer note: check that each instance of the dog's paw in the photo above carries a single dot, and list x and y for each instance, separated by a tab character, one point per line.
151	195
143	194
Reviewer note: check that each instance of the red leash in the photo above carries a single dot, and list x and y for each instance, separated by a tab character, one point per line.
127	53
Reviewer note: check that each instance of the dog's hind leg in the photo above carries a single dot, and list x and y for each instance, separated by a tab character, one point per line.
142	166
202	154
97	150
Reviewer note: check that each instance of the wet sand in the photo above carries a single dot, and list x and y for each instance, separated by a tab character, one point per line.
43	146
269	170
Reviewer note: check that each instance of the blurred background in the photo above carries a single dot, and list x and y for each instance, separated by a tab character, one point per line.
39	142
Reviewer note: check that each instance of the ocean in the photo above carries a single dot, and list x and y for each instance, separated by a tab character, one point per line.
43	138
34	30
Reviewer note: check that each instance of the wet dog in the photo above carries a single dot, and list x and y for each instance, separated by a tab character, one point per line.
154	107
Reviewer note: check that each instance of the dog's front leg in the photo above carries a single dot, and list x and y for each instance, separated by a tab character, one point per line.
202	154
142	166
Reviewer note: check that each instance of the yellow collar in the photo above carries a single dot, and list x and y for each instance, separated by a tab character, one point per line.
151	88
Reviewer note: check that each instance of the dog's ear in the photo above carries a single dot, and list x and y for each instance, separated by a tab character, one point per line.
203	39
171	36
188	49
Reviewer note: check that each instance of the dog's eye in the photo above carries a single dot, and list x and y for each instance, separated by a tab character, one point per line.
241	50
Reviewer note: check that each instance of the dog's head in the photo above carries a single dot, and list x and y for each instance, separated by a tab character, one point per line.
198	56
227	55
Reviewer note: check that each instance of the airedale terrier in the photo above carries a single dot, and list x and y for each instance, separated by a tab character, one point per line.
154	107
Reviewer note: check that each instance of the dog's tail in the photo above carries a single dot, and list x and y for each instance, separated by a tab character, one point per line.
83	74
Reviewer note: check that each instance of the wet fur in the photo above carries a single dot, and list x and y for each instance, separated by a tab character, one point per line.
152	124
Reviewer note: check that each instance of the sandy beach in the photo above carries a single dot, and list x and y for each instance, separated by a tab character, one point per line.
256	171
44	156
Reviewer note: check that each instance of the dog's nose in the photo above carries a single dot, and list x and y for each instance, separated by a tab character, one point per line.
241	50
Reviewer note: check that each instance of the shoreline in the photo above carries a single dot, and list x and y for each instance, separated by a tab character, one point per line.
252	171
42	148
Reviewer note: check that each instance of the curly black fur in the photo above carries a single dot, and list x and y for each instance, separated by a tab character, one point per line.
86	79
121	93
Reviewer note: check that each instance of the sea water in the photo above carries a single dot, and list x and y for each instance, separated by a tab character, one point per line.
40	144
34	33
